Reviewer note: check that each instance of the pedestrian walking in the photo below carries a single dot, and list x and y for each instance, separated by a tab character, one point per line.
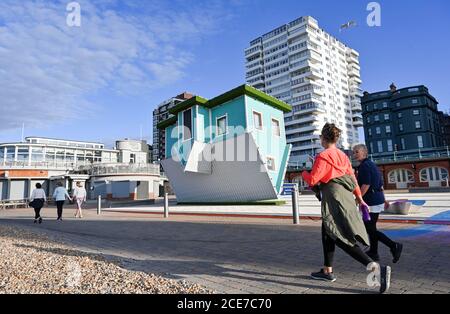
342	223
60	195
79	196
37	201
371	183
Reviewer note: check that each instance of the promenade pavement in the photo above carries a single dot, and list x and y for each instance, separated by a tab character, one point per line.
243	255
435	210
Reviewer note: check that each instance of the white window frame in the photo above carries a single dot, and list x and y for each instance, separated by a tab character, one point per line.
416	112
390	146
388	117
418	125
420	143
441	172
393	175
388	129
403	143
279	128
377	118
400	127
226	125
378	130
274	164
262	121
378	146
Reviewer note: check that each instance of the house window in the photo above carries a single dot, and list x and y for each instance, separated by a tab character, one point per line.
257	120
370	132
271	163
420	141
415	101
187	124
417	124
368	119
399	115
388	129
385	105
377	118
378	130
386	117
397	104
416	112
375	106
221	125
433	174
371	147
400	127
401	176
380	146
402	140
276	127
389	145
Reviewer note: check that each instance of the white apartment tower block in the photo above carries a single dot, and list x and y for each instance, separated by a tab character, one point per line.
304	66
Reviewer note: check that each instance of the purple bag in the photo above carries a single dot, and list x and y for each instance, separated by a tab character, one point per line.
364	212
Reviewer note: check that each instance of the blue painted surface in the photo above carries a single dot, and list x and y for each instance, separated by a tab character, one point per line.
418	202
441	216
283	166
269	144
415	231
170	141
235	111
203	132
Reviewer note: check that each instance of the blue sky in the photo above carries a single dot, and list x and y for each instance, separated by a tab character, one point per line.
101	81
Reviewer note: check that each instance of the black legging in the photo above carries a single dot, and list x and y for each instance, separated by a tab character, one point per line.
37	212
59	205
329	246
375	235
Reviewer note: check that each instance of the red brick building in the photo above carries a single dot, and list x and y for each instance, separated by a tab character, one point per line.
420	173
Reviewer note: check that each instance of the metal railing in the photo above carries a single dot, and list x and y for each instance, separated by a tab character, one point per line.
104	169
39	165
396	156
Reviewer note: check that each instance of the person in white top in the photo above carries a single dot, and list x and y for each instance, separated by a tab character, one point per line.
60	195
79	196
37	201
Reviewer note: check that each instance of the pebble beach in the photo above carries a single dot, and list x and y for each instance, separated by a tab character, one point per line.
34	264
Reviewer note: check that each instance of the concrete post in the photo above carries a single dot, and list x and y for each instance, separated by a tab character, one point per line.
295	205
166	205
99	205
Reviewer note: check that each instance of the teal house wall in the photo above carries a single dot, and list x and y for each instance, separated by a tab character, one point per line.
238	106
269	144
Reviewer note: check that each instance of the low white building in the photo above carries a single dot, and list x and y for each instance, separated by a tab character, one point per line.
124	171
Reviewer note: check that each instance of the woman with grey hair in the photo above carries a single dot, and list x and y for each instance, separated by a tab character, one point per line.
371	184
